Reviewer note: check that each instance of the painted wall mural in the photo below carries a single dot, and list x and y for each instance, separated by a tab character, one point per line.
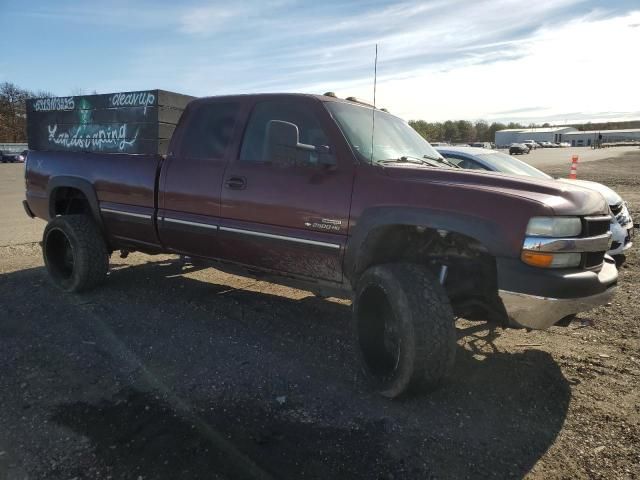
134	99
51	104
93	137
126	122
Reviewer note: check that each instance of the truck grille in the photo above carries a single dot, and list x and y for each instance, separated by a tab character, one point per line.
594	226
593	259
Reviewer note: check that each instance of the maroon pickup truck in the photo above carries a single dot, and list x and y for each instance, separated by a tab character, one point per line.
338	198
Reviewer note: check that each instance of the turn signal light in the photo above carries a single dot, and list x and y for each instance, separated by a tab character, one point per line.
551	260
537	259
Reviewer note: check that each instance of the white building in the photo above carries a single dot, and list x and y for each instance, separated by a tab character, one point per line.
590	137
517	135
13	147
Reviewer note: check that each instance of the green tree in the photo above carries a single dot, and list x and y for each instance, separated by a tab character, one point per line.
435	132
482	131
493	128
450	131
466	132
420	126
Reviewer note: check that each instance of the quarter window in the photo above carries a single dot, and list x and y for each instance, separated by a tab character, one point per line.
209	130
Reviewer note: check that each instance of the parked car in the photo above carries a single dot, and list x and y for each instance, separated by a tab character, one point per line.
480	144
546	144
621	222
563	144
12	157
518	149
532	144
291	188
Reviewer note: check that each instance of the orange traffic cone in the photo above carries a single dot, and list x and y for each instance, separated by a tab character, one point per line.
574	167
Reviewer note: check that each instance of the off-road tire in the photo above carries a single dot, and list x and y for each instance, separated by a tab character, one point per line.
89	255
426	328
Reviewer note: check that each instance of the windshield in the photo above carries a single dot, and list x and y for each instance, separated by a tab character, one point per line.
501	162
393	138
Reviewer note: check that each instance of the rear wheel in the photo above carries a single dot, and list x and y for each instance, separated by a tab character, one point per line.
404	329
75	253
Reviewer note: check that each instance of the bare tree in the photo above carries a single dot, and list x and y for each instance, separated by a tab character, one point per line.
13	112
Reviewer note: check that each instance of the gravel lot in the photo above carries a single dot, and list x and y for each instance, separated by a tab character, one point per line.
173	371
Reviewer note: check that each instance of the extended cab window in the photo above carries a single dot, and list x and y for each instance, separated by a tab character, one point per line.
311	133
209	130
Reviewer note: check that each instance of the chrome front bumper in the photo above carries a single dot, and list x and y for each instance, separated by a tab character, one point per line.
539	313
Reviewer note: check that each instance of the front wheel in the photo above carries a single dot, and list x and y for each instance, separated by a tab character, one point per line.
404	329
75	253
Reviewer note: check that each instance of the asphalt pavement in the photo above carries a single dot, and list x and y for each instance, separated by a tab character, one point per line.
15	226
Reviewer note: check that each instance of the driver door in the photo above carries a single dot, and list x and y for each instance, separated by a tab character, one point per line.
291	216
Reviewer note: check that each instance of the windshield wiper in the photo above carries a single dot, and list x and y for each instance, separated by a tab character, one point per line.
428	160
412	159
408	159
441	160
425	160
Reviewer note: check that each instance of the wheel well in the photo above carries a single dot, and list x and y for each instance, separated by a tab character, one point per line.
471	278
68	201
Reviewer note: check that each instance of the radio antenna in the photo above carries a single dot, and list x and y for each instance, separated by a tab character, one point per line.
373	110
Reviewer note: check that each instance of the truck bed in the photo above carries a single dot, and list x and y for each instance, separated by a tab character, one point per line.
122	187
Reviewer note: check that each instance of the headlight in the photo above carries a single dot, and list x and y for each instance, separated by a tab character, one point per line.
554	227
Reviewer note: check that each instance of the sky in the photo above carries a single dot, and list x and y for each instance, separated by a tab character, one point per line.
554	61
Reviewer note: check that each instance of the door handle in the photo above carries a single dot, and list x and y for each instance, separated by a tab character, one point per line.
236	183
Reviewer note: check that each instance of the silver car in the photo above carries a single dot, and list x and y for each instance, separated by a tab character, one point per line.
492	160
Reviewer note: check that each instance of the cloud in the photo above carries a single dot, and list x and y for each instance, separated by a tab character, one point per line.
438	59
287	46
579	66
208	20
571	117
520	110
110	13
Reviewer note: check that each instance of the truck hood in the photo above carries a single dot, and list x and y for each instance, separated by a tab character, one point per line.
561	197
611	196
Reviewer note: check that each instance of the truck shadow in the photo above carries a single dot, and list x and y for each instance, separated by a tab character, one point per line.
217	375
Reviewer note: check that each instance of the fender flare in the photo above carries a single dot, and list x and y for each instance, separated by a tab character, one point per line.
486	232
78	183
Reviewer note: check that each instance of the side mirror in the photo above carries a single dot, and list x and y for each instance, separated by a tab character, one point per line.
281	142
282	145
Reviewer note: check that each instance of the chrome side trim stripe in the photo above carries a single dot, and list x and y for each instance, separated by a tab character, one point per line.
280	237
128	214
193	224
